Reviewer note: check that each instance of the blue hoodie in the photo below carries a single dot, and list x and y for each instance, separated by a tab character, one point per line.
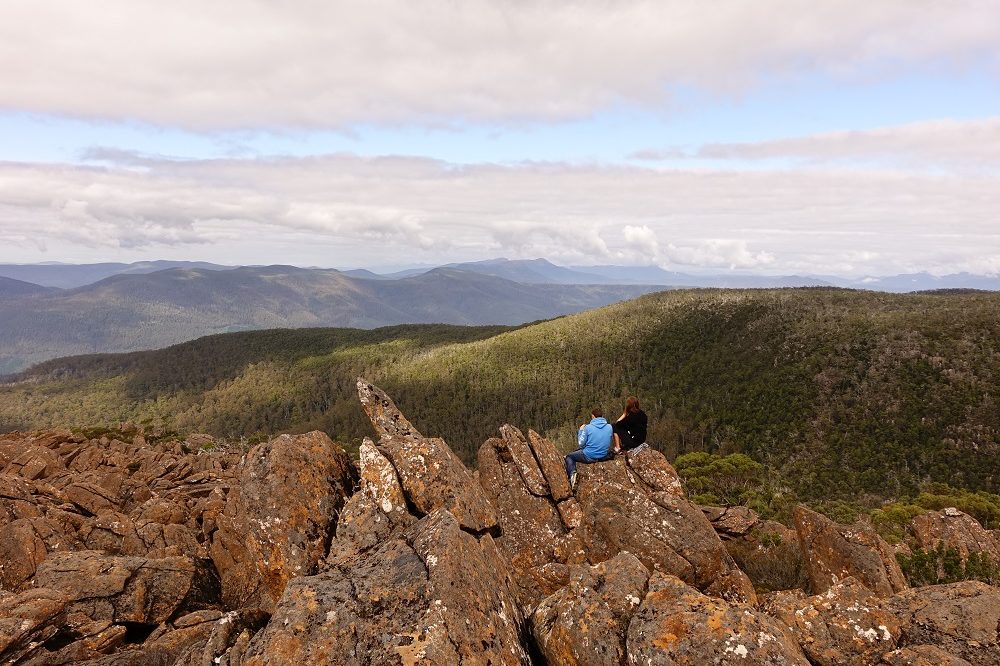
595	438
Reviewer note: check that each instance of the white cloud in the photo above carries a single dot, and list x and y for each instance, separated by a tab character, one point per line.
312	63
717	253
968	144
348	210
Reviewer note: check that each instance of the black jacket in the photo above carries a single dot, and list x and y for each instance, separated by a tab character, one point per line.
631	430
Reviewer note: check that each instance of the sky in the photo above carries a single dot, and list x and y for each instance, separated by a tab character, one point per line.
825	137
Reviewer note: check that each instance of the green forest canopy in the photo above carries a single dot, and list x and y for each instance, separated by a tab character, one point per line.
837	393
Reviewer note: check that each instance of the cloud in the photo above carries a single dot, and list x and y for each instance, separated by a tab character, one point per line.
940	144
717	253
348	210
310	64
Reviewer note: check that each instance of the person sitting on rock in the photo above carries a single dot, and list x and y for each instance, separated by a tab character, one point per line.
630	427
593	441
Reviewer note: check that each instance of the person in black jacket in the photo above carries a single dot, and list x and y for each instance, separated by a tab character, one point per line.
630	427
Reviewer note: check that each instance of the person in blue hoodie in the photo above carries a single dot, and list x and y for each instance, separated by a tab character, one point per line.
593	441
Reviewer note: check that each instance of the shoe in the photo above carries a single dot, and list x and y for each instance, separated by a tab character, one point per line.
572	481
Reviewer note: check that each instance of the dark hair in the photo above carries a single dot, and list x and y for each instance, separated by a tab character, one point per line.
597	412
632	405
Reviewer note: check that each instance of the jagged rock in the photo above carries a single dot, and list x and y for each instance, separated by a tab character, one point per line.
120	589
27	621
383	413
530	524
551	464
373	512
652	467
406	601
845	626
833	552
664	530
524	460
954	529
278	525
921	655
731	522
961	618
676	624
430	473
585	622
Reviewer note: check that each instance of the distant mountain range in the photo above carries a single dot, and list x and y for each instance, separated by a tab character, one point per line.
52	310
532	271
68	276
128	312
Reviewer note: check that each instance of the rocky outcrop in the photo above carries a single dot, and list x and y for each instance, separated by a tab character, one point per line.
833	552
954	529
429	471
531	524
405	601
676	624
126	551
845	626
279	523
663	529
961	618
586	621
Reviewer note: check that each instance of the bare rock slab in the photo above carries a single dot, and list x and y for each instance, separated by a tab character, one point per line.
119	589
833	552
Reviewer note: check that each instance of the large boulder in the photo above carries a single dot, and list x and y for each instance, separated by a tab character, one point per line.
954	529
663	529
961	618
675	624
833	552
279	523
845	626
429	594
530	524
585	622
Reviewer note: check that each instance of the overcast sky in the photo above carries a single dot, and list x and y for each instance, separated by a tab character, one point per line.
783	136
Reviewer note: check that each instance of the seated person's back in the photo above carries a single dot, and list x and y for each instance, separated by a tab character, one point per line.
630	428
595	438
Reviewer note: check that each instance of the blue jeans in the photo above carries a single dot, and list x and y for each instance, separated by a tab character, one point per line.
572	459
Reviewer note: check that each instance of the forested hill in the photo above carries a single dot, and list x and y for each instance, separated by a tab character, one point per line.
839	392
